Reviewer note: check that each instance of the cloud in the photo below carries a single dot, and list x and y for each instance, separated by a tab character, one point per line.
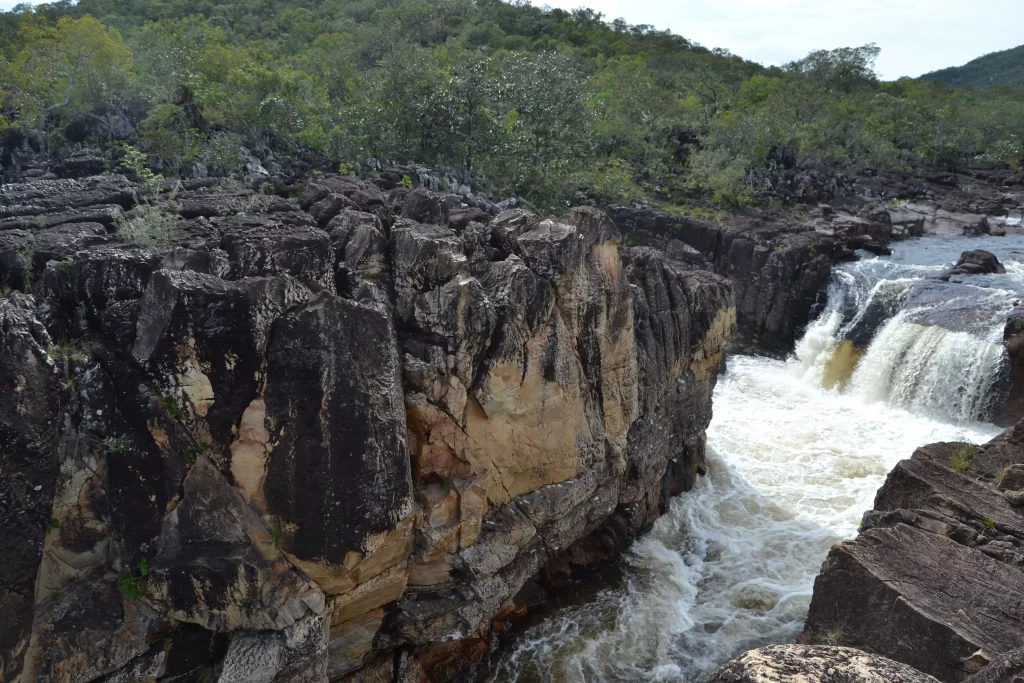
916	36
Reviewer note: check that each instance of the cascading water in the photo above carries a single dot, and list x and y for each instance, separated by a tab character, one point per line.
893	333
796	452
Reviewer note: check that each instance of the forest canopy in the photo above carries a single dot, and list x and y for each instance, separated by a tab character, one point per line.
537	102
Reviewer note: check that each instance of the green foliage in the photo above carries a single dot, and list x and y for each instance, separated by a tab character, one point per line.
722	175
148	227
130	587
133	163
963	454
989	523
166	133
53	524
191	453
223	154
530	101
26	262
143	566
996	68
118	444
171	405
406	181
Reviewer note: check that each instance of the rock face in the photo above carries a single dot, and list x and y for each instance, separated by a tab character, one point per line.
324	438
934	579
815	664
1013	340
778	270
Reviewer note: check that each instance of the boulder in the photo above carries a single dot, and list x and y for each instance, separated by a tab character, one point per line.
974	262
815	664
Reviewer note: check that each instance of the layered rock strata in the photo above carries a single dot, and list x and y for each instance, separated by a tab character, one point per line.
330	436
934	579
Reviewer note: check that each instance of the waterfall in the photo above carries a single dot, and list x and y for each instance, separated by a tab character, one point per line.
891	333
796	452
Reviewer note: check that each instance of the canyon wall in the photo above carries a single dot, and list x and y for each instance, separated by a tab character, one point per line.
336	436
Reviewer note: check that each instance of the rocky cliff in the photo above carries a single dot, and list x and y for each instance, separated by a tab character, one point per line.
780	263
330	435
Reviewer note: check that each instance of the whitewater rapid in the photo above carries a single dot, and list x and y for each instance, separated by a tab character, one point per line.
794	460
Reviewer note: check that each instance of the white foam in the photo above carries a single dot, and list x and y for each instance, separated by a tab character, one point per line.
732	566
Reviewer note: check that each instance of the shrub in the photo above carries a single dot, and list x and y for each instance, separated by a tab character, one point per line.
149	227
223	155
723	176
166	134
963	454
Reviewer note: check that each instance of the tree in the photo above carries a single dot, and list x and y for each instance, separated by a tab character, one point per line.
68	67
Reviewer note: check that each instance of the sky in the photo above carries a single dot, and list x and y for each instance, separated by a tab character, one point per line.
916	36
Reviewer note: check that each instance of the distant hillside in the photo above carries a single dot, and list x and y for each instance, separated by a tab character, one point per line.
997	68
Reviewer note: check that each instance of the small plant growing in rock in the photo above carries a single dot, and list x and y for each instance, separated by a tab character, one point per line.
990	523
26	261
1000	475
143	566
406	182
53	524
345	168
118	444
130	587
149	227
66	262
192	453
276	532
835	636
963	454
171	405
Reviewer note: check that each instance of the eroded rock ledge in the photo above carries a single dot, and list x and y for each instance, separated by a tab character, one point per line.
936	577
328	437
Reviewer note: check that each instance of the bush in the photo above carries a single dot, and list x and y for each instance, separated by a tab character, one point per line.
166	134
223	155
723	176
150	227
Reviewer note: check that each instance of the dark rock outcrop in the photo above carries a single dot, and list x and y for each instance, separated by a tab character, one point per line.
325	439
1013	340
934	579
974	262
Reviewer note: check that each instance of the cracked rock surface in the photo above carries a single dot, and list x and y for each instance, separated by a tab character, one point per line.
330	436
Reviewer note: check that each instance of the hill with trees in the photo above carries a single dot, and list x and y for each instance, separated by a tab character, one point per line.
996	68
540	103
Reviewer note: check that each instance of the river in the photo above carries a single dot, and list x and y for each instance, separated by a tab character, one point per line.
796	452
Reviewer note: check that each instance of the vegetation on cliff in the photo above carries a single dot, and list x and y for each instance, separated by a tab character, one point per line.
546	104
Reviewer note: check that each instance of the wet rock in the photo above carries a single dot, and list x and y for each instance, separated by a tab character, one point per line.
1012	410
337	469
310	440
1007	668
973	263
217	566
815	664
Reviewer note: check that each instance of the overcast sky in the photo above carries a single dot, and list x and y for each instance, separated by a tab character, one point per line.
916	36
